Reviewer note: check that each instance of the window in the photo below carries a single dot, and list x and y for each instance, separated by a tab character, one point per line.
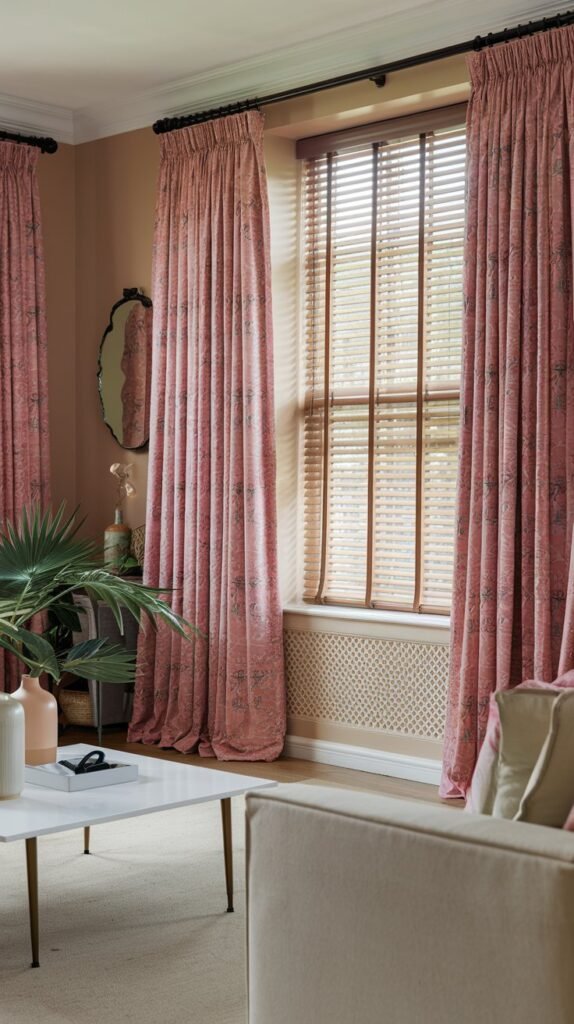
383	218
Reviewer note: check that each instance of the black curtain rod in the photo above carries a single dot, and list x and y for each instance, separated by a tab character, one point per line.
376	74
43	144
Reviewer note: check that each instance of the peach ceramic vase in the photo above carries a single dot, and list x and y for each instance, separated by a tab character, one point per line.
11	747
40	721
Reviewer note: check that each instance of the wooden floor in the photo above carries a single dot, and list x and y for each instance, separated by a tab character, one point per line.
287	769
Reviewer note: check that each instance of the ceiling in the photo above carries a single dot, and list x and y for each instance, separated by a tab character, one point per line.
87	69
73	54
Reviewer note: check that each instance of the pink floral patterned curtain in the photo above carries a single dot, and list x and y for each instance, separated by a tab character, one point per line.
513	606
24	447
211	520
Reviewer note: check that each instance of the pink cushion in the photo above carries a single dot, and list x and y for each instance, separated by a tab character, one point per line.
570	821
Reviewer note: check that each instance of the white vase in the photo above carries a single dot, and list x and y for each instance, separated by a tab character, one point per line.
11	747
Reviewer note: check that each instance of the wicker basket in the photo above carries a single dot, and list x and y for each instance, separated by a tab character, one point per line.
77	707
138	544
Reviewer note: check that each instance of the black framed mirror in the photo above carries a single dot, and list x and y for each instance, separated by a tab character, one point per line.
124	369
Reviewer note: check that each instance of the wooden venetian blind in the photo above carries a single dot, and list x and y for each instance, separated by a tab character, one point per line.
383	219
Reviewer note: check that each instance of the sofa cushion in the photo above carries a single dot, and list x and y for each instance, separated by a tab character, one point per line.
481	795
525	720
549	794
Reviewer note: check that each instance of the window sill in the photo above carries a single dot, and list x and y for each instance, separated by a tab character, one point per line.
367	622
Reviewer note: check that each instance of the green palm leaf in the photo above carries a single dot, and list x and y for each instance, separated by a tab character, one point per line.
93	658
38	548
42	562
36	652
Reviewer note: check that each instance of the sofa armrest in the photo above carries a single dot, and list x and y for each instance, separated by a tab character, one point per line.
369	909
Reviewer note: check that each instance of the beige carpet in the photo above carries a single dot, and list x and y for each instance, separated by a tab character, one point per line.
136	933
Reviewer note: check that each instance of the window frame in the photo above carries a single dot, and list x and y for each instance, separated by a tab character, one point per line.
373	397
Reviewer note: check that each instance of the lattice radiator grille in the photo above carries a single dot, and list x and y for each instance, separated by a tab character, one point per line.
394	685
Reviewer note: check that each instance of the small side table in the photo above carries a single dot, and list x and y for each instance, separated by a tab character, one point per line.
98	620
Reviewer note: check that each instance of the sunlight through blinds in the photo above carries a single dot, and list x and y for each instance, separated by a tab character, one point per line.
383	235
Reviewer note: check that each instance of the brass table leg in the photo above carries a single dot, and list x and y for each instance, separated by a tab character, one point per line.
87	839
32	870
227	850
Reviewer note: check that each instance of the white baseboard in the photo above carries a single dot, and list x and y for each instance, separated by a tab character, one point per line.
365	759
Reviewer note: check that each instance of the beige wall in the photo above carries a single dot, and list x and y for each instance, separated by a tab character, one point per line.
97	212
115	199
438	84
282	171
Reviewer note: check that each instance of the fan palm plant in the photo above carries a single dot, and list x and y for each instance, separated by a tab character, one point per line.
42	563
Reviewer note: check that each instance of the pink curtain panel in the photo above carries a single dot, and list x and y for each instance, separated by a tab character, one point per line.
513	603
211	519
24	452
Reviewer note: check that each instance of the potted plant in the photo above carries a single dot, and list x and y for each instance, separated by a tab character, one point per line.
42	563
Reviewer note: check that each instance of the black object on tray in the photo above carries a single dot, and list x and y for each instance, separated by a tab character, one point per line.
93	761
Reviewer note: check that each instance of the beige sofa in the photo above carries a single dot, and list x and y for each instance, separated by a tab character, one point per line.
370	910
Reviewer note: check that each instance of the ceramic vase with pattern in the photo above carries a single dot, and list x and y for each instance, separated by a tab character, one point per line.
117	538
11	747
40	720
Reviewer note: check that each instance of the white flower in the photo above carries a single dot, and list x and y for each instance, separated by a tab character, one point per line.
125	489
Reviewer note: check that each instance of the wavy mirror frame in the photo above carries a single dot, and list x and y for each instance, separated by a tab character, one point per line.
129	295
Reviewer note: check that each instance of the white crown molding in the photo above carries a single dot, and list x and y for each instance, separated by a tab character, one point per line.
365	759
429	25
31	118
417	28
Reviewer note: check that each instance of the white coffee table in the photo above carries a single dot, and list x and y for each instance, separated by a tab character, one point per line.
161	785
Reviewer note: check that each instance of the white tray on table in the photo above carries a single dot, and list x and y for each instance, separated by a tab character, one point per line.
56	776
